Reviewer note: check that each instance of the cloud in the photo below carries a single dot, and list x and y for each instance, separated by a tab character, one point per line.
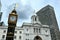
23	11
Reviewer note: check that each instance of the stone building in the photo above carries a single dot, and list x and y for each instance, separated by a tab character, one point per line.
28	31
47	16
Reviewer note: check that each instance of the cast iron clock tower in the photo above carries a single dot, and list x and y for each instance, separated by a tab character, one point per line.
12	20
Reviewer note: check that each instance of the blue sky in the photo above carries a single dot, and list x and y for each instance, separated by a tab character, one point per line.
26	7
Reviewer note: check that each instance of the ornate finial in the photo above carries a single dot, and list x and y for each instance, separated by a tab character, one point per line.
15	8
34	12
16	5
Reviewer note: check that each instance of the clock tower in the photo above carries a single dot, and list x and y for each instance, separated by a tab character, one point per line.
12	20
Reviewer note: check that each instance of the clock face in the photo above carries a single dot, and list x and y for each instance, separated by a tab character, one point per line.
13	18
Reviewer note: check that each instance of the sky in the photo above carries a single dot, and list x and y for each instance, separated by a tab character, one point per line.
25	9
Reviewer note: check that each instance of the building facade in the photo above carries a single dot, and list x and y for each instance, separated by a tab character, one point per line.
42	27
47	16
28	31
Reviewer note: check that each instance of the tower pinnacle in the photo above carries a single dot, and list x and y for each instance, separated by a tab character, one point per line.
16	5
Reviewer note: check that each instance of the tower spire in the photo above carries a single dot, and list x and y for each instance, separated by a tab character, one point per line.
14	10
16	5
34	12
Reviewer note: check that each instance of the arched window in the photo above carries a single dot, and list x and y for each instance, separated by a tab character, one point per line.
39	30
35	19
37	38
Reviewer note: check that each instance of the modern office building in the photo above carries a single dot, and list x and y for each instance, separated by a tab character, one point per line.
47	16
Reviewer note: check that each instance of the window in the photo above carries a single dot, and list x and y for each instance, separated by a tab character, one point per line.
19	37
4	31
39	30
20	32
34	29
46	35
35	18
27	29
27	34
3	36
27	39
15	31
14	37
46	30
